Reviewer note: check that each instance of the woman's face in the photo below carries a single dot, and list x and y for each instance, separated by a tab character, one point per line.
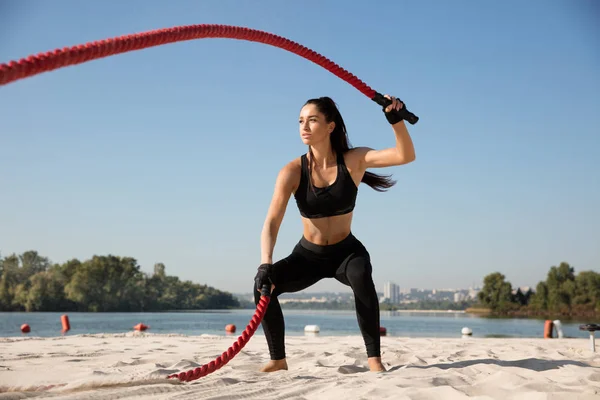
313	126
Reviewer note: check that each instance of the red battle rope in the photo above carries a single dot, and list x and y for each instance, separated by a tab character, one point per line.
238	345
59	58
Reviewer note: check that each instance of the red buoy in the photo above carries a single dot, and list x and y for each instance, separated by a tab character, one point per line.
230	328
548	328
382	331
141	327
25	328
66	326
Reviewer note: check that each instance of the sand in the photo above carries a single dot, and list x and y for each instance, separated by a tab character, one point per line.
135	365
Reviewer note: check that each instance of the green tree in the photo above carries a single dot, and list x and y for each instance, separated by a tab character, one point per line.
561	287
45	293
106	283
103	283
8	283
32	263
587	289
539	300
522	299
496	292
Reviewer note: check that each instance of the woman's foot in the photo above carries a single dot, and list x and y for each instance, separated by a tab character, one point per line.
274	365
375	364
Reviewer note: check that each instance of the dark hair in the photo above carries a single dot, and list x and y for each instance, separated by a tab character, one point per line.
340	143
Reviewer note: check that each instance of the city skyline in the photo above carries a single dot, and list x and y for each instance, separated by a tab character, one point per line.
382	291
390	294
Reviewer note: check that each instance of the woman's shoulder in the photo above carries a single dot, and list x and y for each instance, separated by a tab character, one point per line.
291	171
355	155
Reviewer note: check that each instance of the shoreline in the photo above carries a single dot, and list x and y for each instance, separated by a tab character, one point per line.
224	310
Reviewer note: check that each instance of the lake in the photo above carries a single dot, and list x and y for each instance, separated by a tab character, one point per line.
331	323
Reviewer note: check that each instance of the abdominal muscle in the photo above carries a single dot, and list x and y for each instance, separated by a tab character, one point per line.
331	230
327	230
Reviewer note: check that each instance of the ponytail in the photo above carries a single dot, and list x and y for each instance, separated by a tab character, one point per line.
340	143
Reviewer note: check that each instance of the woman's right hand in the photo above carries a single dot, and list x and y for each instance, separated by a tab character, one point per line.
264	277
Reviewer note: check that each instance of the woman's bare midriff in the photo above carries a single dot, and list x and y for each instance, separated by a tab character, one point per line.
328	230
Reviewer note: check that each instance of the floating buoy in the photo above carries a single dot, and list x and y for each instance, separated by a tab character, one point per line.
66	326
25	328
558	326
230	328
548	326
382	331
312	328
466	331
141	327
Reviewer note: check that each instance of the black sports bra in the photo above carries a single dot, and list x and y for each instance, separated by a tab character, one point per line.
336	199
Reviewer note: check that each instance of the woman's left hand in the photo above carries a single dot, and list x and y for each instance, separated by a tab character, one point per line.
394	112
396	104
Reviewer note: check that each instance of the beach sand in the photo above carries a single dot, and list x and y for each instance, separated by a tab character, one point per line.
134	365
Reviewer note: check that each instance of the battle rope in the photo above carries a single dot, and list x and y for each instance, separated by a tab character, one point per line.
231	352
59	58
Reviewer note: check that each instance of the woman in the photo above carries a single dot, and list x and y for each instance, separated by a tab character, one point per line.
325	185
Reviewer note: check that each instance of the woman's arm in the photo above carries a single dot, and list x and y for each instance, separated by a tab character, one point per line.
402	153
284	187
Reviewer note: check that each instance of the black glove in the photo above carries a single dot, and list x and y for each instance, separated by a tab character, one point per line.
396	116
264	277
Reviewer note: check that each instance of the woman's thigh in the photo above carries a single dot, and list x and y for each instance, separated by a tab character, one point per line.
296	272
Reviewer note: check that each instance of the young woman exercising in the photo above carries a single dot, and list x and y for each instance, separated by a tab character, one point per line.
325	185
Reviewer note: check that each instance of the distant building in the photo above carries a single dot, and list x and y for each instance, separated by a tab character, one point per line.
458	297
391	292
311	300
473	293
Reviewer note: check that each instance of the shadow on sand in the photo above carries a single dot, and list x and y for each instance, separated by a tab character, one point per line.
534	364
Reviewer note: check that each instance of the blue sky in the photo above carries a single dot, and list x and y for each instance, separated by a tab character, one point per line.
170	154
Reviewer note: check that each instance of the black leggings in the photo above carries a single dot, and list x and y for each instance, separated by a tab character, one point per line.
347	261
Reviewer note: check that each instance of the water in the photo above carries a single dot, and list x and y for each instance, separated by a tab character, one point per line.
331	323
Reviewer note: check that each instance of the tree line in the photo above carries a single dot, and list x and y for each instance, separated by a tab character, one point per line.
562	293
30	282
